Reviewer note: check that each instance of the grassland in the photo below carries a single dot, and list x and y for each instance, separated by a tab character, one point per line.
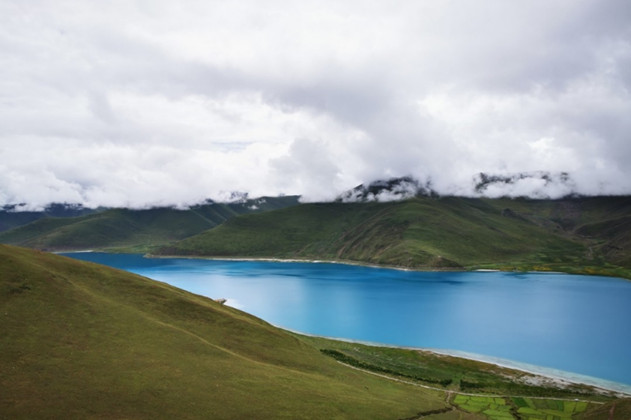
11	216
131	230
584	235
446	372
84	341
81	340
496	408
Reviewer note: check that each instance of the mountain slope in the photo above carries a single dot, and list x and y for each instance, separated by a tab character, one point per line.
429	232
11	216
133	228
85	341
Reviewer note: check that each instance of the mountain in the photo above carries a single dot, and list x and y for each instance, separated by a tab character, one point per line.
536	184
134	228
581	234
393	189
84	341
576	234
12	216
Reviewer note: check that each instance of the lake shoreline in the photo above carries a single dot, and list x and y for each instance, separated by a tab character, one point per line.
383	266
317	261
557	377
353	263
540	375
532	369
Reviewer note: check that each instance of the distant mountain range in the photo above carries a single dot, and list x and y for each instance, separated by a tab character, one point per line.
13	216
588	234
398	222
69	227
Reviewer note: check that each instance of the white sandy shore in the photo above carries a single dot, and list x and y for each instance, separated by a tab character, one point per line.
365	264
539	375
78	251
306	260
344	262
544	375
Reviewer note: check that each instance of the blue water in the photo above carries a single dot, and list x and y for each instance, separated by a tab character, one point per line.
578	324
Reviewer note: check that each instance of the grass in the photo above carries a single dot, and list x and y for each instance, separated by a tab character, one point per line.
80	340
84	341
11	217
497	408
531	409
441	371
499	394
131	230
614	410
493	407
586	235
443	233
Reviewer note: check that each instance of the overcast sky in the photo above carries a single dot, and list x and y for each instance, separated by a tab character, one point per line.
154	102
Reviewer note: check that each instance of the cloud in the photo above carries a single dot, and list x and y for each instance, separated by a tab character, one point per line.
155	103
536	184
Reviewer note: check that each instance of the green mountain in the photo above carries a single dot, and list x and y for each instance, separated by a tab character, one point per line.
127	228
11	216
80	340
580	234
589	234
85	341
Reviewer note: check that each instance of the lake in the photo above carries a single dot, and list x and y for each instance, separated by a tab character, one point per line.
575	324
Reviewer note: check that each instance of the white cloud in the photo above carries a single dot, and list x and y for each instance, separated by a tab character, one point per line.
142	103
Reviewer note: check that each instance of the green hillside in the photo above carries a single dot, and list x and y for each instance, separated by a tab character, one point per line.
11	216
12	219
84	341
136	229
579	234
80	340
583	234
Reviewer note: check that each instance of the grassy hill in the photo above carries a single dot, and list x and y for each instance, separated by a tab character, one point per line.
84	341
136	229
11	216
81	340
579	234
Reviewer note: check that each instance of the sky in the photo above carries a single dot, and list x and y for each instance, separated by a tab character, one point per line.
140	103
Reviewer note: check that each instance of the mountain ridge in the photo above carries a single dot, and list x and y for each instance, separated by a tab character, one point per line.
399	222
434	232
137	229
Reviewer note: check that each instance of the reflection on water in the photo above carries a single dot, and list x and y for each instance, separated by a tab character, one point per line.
573	323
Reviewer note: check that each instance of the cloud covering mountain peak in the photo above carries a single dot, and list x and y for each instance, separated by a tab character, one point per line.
136	104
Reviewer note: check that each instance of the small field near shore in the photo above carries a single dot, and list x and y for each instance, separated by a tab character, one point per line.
499	408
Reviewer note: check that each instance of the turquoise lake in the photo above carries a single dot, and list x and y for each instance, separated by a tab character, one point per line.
576	324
